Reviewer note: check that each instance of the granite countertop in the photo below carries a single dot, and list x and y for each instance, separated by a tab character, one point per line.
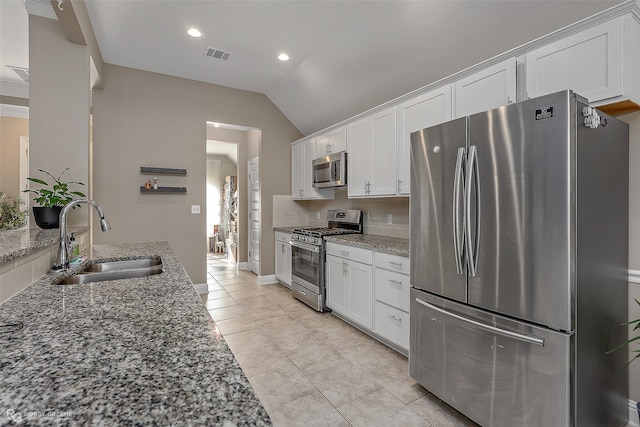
286	229
132	351
16	244
392	245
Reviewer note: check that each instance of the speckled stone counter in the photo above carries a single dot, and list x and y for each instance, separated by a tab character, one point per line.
124	352
286	229
16	244
392	245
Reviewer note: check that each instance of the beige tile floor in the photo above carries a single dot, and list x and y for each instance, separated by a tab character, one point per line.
312	369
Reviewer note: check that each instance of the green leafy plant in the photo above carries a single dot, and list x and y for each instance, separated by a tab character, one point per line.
56	194
636	328
12	215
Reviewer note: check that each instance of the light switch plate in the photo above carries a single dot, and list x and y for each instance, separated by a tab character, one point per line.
318	215
195	209
389	219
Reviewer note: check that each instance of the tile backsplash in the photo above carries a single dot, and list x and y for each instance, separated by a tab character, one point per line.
384	217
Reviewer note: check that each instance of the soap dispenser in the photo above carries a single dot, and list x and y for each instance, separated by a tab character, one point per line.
75	247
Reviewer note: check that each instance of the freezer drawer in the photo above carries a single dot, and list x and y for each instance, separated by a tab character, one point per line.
494	370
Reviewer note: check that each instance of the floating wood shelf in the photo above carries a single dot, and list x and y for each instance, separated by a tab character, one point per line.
163	190
162	171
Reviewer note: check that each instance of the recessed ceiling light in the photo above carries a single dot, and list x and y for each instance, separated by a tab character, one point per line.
194	32
283	57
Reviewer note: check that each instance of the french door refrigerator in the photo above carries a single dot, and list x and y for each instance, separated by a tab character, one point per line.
519	247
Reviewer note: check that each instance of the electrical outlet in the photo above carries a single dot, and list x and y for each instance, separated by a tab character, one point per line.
389	219
195	209
318	215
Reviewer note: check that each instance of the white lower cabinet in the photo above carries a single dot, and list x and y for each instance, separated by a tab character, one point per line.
391	290
283	258
371	289
392	324
349	280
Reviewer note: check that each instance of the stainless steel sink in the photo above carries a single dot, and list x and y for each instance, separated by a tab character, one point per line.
123	265
115	270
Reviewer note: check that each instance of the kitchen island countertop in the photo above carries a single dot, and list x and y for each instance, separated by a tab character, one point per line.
133	351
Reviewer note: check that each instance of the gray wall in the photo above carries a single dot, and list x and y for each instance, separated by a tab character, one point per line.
149	119
58	106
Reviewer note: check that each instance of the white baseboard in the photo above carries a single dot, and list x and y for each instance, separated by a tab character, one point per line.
633	415
267	280
242	266
202	288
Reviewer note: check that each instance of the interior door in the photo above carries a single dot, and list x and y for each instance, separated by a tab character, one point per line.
254	216
437	249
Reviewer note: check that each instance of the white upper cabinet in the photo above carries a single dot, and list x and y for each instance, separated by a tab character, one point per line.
371	146
591	63
332	142
297	170
302	155
416	114
489	88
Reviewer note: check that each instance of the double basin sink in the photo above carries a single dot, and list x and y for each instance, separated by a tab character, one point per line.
114	270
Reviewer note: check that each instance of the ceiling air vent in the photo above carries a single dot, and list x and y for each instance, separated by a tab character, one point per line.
215	53
22	72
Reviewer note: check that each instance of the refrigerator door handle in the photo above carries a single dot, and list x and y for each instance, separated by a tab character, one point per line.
531	339
473	242
458	235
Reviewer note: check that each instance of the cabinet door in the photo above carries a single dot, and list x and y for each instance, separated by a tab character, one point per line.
360	293
297	171
336	284
283	262
490	88
383	153
359	158
332	142
416	114
309	156
589	63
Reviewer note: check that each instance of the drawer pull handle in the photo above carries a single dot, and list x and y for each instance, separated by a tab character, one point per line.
397	319
396	264
395	282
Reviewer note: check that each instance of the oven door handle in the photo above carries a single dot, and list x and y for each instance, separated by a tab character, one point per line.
305	246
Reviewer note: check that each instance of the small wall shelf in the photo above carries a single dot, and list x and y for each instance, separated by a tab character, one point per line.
163	190
162	171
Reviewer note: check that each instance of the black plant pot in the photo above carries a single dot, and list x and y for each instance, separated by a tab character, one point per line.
47	217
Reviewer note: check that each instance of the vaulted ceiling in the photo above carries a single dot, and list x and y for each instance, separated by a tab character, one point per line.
345	56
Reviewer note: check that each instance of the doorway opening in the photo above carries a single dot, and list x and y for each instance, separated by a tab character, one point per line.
222	199
228	149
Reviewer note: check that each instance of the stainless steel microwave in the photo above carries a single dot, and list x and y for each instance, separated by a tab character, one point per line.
330	170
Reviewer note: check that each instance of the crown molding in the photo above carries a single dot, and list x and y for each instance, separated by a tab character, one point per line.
15	111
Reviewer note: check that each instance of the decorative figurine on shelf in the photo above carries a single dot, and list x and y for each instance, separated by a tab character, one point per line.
147	185
155	183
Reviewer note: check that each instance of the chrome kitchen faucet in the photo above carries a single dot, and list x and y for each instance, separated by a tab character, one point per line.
62	261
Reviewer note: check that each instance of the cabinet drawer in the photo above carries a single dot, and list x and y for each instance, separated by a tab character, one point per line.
392	324
352	253
283	237
392	262
392	288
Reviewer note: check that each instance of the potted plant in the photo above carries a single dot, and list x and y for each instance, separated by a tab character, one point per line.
634	331
12	216
51	199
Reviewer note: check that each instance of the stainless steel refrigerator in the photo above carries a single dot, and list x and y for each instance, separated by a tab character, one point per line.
519	264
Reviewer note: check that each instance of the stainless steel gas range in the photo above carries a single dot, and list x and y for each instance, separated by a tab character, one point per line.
308	255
